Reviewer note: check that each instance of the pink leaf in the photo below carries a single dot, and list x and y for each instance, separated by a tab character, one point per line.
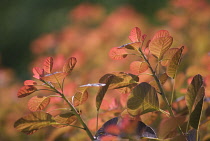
161	33
38	72
37	103
138	67
48	64
30	82
135	35
117	53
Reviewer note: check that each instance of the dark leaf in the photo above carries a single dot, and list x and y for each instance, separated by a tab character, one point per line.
143	99
34	121
102	90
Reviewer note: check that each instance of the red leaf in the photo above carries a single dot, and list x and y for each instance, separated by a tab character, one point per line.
55	77
161	33
138	67
26	90
37	103
69	65
38	72
48	64
135	35
30	82
117	53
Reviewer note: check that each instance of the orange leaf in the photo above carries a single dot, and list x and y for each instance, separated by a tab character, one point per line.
69	65
30	82
26	90
135	35
168	55
132	46
117	53
138	67
80	97
48	64
161	33
174	62
159	46
37	103
38	72
54	77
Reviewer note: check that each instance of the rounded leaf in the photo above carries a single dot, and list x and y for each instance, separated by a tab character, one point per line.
37	103
161	33
80	98
117	53
138	67
69	65
64	118
54	77
135	35
38	72
34	121
26	90
30	82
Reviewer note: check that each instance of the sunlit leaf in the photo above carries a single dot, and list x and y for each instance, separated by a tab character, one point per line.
132	46
54	77
80	97
38	72
169	125
37	103
26	90
34	121
138	67
143	99
163	78
64	118
161	33
135	35
168	55
102	91
48	64
117	128
69	65
174	63
160	45
29	82
120	80
194	100
143	37
117	53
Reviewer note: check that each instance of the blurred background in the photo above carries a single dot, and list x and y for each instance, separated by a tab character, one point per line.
33	30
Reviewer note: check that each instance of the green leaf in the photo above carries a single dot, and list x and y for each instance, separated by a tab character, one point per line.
143	99
120	79
37	103
173	63
194	100
34	121
102	91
